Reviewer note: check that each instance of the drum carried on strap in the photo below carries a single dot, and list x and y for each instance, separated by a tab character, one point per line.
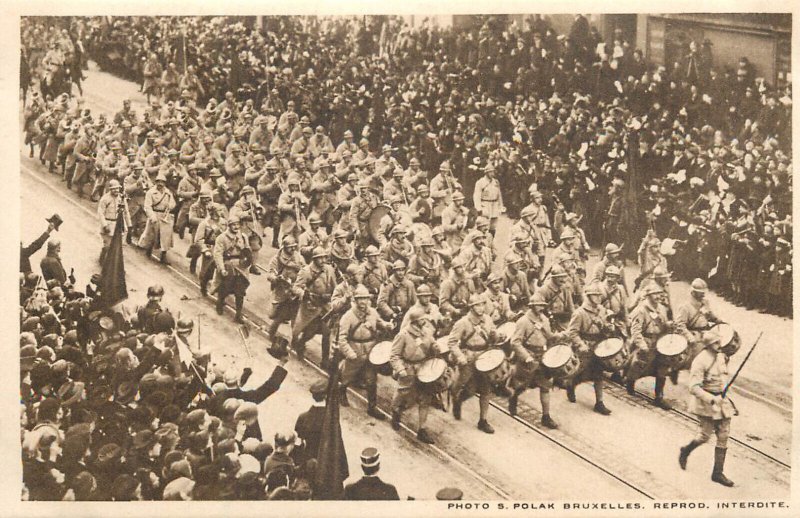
379	357
672	350
494	366
610	353
729	341
435	376
560	362
374	221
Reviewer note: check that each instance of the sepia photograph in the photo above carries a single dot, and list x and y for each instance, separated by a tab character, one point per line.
532	263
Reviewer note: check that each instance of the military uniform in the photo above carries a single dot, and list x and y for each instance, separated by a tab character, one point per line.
648	323
158	205
559	303
314	286
205	238
228	250
396	296
107	212
530	341
410	349
454	294
358	334
282	273
454	222
488	199
470	336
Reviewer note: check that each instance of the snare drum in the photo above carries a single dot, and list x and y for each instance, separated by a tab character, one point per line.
435	376
379	357
560	362
494	366
729	341
610	353
672	350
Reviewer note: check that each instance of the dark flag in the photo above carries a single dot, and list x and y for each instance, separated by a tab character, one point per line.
632	213
112	276
332	468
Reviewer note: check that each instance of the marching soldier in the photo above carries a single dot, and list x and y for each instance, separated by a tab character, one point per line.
342	297
232	257
433	316
360	210
397	294
477	258
454	221
314	288
456	291
498	304
136	185
208	230
695	317
412	346
398	248
557	292
537	219
376	272
359	329
707	381
341	252
442	187
473	334
515	282
612	256
425	265
282	273
248	211
158	206
108	211
488	197
197	212
292	204
528	260
648	322
661	277
614	298
312	237
531	338
587	327
650	257
568	257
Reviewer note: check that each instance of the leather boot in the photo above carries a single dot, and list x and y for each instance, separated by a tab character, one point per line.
685	451
601	408
396	419
659	401
512	403
163	259
343	396
485	427
719	464
548	422
571	393
372	404
630	388
457	400
422	436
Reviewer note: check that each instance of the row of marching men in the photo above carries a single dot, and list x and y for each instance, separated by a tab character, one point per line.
472	334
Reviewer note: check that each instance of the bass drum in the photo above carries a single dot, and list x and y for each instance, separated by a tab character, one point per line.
379	357
374	222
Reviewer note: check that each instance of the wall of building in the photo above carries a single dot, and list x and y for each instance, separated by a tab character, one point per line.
764	39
